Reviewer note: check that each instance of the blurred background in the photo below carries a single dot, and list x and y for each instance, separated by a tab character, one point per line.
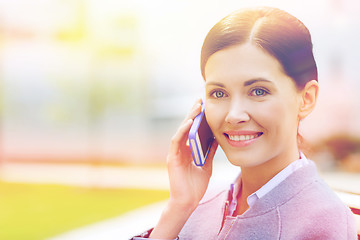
110	80
91	92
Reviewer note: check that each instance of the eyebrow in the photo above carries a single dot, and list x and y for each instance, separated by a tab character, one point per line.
252	81
246	83
216	84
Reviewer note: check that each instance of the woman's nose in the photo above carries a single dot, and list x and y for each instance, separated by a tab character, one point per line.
237	113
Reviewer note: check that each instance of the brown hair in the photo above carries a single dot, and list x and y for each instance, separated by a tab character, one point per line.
277	32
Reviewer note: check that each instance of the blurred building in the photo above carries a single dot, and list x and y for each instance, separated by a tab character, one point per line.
109	81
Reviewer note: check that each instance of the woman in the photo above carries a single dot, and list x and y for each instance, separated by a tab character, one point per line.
261	81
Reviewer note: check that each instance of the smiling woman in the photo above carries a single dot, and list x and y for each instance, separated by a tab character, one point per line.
261	81
258	94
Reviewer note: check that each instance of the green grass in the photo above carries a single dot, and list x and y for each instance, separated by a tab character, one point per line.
34	211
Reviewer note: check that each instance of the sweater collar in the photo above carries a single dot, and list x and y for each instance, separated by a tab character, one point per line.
285	190
235	188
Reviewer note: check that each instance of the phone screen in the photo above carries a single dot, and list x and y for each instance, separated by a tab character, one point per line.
200	138
205	135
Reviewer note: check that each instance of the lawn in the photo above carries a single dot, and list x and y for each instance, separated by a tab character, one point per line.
35	212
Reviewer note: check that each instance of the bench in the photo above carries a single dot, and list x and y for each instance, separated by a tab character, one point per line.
353	201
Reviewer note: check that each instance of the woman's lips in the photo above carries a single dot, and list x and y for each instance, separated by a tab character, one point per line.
242	138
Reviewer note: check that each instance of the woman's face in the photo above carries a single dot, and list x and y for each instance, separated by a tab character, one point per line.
251	105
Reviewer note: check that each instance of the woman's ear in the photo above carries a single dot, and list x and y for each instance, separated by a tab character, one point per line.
308	98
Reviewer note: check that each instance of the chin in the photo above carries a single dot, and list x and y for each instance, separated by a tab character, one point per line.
245	160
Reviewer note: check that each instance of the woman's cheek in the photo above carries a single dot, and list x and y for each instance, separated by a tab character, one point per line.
272	110
275	117
214	114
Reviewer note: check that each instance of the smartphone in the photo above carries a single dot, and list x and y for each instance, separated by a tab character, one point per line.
200	138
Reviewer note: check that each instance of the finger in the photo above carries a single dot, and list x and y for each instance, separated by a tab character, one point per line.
180	136
199	100
195	110
184	128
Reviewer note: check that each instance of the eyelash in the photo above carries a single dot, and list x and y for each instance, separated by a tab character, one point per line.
252	93
265	92
213	94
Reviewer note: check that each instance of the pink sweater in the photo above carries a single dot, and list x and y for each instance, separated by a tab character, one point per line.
300	207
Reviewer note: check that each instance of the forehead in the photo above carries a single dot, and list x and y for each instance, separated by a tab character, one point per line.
244	62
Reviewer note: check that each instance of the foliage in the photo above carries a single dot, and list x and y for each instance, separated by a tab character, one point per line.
33	211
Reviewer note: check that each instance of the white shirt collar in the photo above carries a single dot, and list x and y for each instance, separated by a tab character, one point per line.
277	179
271	184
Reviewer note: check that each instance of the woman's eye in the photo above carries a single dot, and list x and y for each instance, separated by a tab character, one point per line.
218	94
259	92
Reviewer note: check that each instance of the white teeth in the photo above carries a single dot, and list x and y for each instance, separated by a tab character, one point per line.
242	137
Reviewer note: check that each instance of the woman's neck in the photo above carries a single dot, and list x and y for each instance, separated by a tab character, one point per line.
253	178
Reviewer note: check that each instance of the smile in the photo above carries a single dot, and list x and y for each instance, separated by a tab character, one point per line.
242	139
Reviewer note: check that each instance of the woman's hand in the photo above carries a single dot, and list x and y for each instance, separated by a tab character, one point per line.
188	182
